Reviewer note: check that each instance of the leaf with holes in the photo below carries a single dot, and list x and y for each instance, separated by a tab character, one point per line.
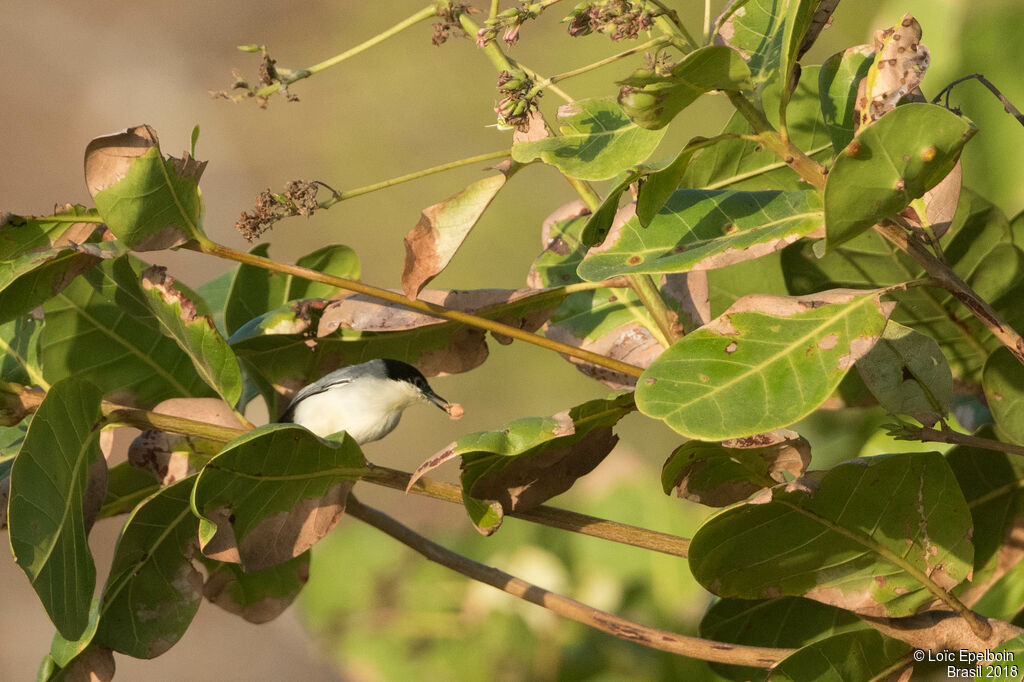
149	202
597	141
652	100
704	230
195	334
272	494
763	364
101	328
47	526
908	374
889	164
719	474
153	590
881	537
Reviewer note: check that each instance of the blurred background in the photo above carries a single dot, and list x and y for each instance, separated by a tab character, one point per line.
372	609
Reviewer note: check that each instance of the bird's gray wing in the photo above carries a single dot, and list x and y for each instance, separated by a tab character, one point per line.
327	382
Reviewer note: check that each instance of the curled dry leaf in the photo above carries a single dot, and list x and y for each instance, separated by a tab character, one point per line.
901	61
108	158
171	457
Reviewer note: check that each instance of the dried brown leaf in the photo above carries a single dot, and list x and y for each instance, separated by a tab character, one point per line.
942	630
108	158
220	585
95	664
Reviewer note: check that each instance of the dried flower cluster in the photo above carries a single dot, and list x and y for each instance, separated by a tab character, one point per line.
299	198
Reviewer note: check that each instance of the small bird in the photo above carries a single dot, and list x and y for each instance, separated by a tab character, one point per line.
365	400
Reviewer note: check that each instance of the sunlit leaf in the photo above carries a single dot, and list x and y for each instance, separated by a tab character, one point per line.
878	536
195	334
652	100
704	230
442	228
48	487
763	364
907	152
149	202
272	494
838	80
596	141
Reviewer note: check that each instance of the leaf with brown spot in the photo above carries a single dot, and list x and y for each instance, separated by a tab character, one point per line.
442	229
530	460
897	70
153	590
273	493
782	367
719	474
149	202
704	230
878	536
256	596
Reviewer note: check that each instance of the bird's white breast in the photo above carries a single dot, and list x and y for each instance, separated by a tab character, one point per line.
368	410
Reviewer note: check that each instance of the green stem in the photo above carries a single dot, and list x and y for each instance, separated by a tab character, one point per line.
432	309
644	286
670	25
425	13
359	191
657	42
493	52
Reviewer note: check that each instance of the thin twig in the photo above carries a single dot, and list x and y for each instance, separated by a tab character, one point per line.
1007	105
544	515
432	309
930	435
654	638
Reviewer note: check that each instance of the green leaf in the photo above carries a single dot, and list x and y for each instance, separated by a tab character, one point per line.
838	80
899	158
652	100
530	460
861	655
785	622
101	328
153	590
149	202
704	230
879	536
443	227
991	487
272	494
48	487
41	256
19	351
1003	379
978	231
767	35
600	221
256	596
195	334
764	363
596	142
719	474
908	374
254	291
746	164
215	293
656	188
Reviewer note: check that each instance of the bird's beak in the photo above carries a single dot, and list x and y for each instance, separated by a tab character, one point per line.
436	399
